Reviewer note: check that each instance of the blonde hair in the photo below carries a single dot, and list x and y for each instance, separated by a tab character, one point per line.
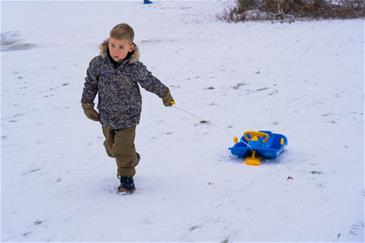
122	32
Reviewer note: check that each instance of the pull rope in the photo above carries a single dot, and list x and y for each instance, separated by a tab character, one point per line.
211	123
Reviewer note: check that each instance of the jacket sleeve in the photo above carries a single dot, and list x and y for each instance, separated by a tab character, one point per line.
91	84
150	82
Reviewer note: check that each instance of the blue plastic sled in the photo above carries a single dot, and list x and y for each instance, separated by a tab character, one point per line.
266	144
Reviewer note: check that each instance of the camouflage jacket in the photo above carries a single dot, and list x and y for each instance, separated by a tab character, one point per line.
119	97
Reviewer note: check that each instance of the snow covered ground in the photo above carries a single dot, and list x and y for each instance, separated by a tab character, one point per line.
305	80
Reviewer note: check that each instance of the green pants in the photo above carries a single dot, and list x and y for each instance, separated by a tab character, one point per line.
119	144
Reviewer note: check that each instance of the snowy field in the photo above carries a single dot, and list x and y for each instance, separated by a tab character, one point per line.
304	80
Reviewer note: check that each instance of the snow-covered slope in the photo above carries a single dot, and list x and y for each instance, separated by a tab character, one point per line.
305	80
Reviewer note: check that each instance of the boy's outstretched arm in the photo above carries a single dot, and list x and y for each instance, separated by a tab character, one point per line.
153	84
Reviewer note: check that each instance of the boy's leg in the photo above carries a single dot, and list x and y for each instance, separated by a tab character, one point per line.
109	140
125	152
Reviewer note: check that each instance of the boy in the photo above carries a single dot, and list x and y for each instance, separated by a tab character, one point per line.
114	75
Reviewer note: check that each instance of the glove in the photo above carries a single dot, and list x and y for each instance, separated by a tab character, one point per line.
167	99
90	112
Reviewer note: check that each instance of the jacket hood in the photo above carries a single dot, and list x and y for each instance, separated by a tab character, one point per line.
104	51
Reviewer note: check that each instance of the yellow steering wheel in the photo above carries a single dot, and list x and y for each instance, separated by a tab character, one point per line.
251	134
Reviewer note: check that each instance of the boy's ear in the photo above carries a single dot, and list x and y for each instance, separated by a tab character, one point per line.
132	47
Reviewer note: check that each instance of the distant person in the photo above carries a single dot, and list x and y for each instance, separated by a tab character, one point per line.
147	2
114	76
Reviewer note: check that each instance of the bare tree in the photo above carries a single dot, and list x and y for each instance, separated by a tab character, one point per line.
289	10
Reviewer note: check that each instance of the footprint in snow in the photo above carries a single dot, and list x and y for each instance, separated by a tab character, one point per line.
192	228
237	86
357	228
25	234
38	222
316	172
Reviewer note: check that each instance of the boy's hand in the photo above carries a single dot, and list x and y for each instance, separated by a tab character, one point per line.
90	112
167	99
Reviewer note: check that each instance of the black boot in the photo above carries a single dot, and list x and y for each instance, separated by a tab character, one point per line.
138	158
126	184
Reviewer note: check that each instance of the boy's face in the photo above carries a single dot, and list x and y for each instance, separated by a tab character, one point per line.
119	49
